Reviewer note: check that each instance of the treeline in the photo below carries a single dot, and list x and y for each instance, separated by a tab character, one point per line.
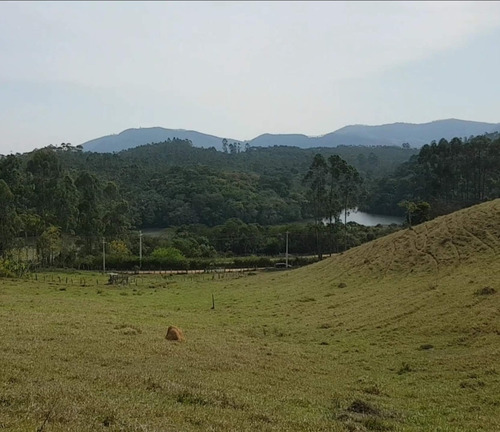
172	183
448	174
235	238
42	199
63	202
232	245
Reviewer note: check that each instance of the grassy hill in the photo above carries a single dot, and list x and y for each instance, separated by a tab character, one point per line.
401	334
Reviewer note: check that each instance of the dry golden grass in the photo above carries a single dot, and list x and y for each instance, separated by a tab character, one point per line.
458	239
399	334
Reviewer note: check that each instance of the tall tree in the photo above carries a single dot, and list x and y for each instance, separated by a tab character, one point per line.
49	245
89	224
334	203
350	184
45	172
66	195
316	178
9	221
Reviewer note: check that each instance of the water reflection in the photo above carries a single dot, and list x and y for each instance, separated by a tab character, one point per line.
369	219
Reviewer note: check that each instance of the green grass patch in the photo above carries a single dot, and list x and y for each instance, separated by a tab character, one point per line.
284	351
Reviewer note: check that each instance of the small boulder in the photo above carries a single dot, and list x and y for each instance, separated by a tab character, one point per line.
174	334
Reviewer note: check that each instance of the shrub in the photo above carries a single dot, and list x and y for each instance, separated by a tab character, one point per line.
405	368
119	248
9	268
486	291
170	253
6	269
252	261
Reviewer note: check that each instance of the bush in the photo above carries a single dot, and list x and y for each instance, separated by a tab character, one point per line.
252	261
168	253
164	263
6	269
9	268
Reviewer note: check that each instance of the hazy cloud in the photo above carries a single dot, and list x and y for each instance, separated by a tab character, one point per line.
228	68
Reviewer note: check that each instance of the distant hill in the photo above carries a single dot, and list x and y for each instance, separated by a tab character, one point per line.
417	134
131	138
390	134
292	140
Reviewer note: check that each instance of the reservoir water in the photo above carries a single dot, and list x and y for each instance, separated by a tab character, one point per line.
369	219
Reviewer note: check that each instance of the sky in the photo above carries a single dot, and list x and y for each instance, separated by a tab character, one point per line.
74	71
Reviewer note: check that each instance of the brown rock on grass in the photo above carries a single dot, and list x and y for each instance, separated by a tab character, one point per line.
174	334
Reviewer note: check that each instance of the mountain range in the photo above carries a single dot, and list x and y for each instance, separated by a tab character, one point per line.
394	134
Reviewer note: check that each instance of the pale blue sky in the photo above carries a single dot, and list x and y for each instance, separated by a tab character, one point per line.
74	71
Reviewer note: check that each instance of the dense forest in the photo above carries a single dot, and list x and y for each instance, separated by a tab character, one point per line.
447	174
69	204
174	183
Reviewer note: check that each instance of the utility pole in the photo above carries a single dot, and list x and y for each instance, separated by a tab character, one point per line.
286	260
140	249
103	255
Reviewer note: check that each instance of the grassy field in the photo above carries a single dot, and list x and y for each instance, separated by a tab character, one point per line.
399	334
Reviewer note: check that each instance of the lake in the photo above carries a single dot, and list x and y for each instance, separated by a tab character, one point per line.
369	219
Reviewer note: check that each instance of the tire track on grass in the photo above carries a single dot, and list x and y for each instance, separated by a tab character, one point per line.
477	238
421	249
426	245
454	246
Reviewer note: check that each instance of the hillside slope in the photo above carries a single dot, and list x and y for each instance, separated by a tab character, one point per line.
446	243
438	269
416	318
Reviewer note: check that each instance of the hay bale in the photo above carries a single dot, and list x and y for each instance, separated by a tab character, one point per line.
174	334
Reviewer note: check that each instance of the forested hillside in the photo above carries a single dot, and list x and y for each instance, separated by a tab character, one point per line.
67	201
173	183
448	174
